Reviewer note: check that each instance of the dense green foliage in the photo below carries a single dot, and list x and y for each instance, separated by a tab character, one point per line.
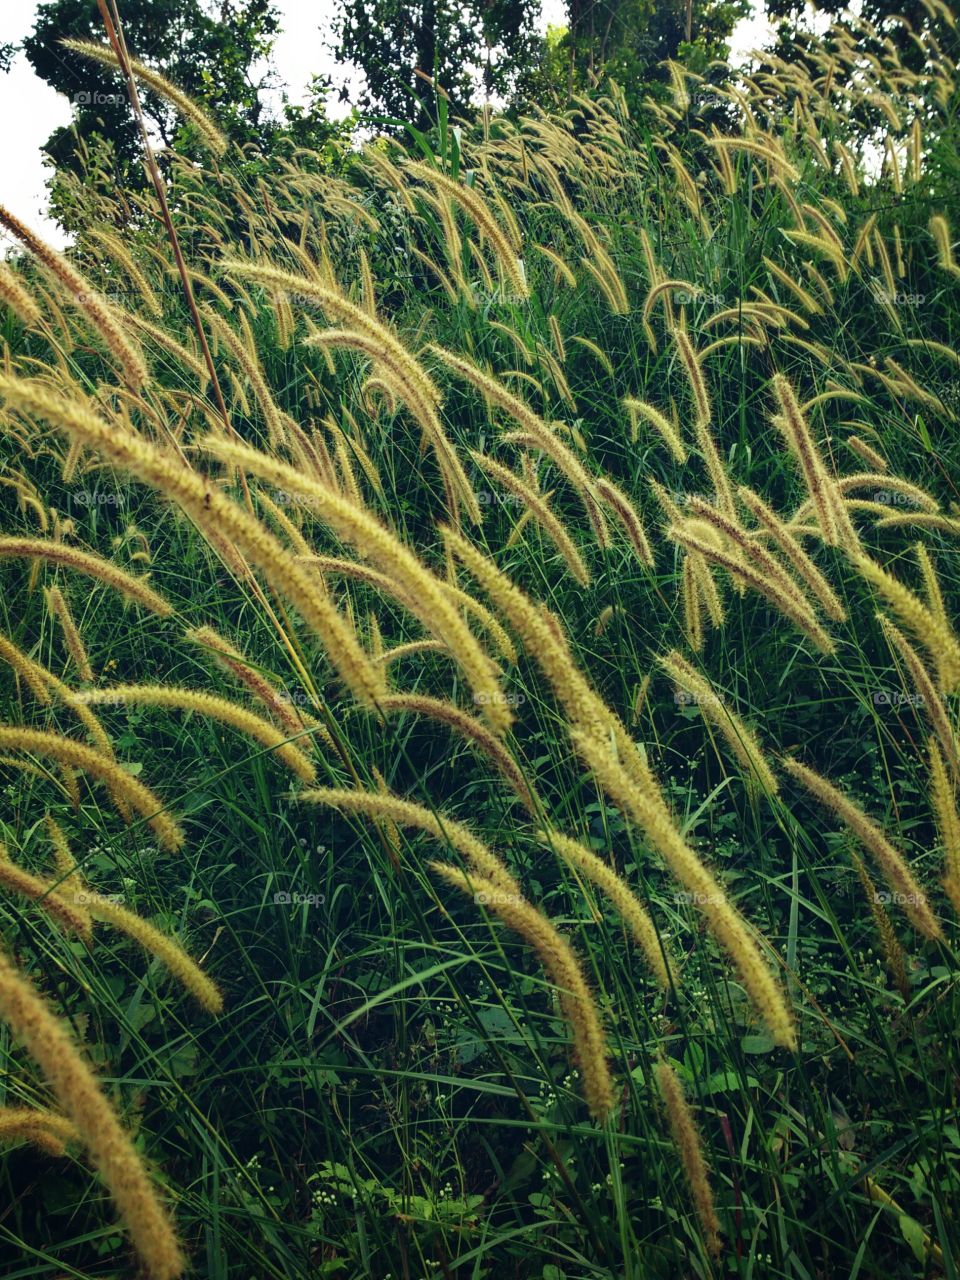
464	47
212	55
389	1091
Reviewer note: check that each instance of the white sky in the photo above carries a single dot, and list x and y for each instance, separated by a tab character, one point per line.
31	110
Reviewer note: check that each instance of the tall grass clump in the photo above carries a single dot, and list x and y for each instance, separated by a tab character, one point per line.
479	690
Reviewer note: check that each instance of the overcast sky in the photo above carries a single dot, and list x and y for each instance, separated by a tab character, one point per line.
31	110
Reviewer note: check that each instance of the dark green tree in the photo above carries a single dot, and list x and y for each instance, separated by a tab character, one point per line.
211	51
629	39
472	49
874	11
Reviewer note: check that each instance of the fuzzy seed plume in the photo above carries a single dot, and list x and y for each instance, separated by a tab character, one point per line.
422	590
927	625
52	899
212	707
613	886
52	1048
564	971
207	131
690	1150
741	740
215	514
890	860
74	289
723	920
156	943
76	755
406	813
45	1129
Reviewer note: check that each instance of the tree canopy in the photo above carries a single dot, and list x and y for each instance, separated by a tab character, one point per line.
214	53
478	46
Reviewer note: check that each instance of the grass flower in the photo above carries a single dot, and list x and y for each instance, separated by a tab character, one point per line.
405	813
943	798
173	958
14	294
472	203
209	707
85	562
800	615
792	551
891	862
45	1129
628	906
207	131
80	294
713	707
690	1149
723	920
469	728
71	636
74	1085
940	230
930	700
934	632
564	971
820	487
211	511
540	511
51	899
76	755
421	589
892	950
639	409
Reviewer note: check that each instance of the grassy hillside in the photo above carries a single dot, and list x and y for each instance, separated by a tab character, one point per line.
479	689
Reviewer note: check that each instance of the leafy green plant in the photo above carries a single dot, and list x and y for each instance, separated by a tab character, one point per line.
520	526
